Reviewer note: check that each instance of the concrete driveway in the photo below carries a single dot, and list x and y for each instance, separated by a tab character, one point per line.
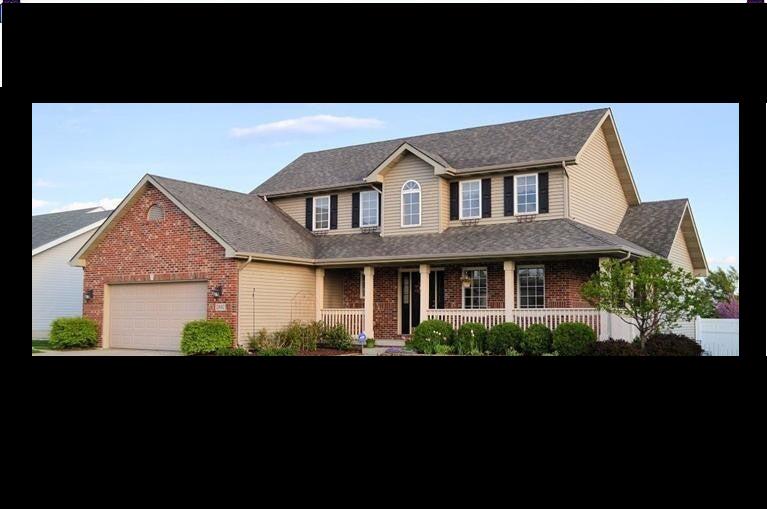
106	352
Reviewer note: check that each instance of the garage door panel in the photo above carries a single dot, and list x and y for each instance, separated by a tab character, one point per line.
152	315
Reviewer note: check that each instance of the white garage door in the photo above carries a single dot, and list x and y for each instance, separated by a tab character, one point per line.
152	315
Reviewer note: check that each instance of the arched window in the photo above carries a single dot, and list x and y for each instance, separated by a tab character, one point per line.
155	213
411	204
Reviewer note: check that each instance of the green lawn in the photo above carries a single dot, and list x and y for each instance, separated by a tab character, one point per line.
39	345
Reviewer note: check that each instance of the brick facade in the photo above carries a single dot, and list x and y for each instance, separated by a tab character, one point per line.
563	282
135	249
351	284
385	311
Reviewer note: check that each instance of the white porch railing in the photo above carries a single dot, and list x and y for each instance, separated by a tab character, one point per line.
353	319
550	317
457	317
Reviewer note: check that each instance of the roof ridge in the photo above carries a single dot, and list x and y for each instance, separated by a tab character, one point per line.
67	211
200	185
406	138
662	201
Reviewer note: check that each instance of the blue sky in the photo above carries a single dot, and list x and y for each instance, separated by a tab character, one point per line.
85	154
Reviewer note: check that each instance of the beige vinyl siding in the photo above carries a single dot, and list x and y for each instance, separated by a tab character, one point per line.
334	289
596	196
295	207
444	204
283	293
410	167
679	254
556	198
57	287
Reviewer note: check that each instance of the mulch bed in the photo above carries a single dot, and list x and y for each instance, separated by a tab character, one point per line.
328	352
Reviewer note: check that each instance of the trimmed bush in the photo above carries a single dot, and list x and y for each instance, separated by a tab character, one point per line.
231	352
503	337
513	353
336	337
73	333
205	336
573	338
672	344
614	348
429	334
443	349
536	340
471	338
277	352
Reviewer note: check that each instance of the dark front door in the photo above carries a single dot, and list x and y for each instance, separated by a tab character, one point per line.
410	300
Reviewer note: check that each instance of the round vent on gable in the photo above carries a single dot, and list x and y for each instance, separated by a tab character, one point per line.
156	213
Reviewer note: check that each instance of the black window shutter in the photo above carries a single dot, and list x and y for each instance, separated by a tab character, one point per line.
508	195
309	213
333	211
486	207
380	195
355	210
543	192
453	200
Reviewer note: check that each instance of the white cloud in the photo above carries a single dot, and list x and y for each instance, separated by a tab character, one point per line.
106	203
316	124
727	260
45	183
36	204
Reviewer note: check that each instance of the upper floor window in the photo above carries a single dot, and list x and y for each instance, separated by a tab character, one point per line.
526	190
411	204
531	286
368	209
322	213
471	204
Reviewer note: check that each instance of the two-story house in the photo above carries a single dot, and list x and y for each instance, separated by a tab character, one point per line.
491	224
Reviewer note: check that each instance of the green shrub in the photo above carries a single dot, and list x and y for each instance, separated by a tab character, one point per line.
300	336
231	352
205	336
430	333
550	354
504	336
336	337
614	348
470	337
573	338
443	349
672	345
277	352
73	333
513	353
536	340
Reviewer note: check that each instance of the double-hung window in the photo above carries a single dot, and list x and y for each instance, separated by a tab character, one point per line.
322	213
475	296
411	204
368	209
471	202
526	191
531	286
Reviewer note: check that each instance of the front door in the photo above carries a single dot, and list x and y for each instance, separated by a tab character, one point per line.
410	298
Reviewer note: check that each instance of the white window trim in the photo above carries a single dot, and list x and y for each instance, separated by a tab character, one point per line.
519	287
487	286
362	284
516	197
378	206
314	213
460	199
402	194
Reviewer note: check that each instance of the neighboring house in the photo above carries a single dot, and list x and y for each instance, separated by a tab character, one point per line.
57	287
496	223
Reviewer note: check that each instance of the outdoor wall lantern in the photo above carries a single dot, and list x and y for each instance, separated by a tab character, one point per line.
466	281
217	291
87	295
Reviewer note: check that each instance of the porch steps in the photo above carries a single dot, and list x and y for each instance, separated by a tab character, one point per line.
391	342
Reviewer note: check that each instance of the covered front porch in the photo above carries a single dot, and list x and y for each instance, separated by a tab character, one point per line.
388	302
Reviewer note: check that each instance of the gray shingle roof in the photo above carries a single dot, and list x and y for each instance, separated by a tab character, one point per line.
49	227
653	224
526	141
498	239
245	222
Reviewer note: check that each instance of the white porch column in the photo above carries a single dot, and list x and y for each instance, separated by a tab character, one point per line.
319	295
369	274
508	289
424	270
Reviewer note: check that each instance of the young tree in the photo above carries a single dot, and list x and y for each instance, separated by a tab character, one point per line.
728	309
721	285
649	293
